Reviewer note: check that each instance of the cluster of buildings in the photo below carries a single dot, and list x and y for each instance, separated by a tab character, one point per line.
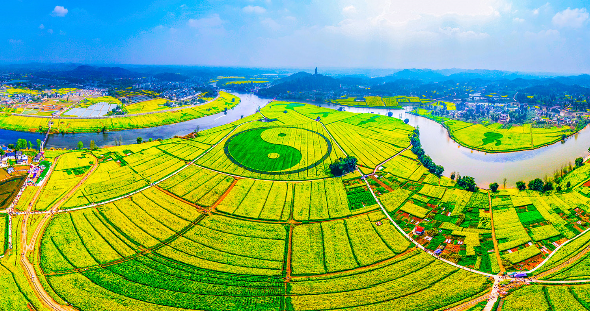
18	156
175	91
180	94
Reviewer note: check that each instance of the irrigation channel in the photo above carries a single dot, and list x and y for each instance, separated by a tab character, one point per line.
485	168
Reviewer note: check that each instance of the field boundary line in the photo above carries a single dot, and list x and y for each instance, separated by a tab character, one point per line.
555	251
414	241
496	247
565	264
156	182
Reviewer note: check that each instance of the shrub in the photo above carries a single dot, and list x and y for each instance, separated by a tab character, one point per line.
494	187
343	166
467	183
536	184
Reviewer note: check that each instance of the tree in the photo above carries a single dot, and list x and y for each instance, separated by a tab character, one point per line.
569	184
93	145
467	183
494	187
80	145
10	146
406	121
21	144
579	162
536	184
520	185
343	166
438	170
139	140
504	183
39	144
30	145
453	176
558	188
548	186
196	131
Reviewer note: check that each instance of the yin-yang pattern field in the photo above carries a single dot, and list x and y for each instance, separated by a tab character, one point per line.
248	216
278	150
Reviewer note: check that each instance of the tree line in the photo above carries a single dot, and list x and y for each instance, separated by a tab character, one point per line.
423	157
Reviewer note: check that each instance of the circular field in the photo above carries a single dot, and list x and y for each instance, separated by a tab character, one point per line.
277	150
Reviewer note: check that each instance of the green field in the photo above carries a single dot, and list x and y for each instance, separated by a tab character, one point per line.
247	216
391	102
79	125
495	138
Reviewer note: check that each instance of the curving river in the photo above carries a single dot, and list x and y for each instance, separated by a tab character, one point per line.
486	168
248	105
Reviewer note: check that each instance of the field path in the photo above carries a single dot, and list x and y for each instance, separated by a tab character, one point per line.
496	249
156	182
42	185
568	262
378	166
25	248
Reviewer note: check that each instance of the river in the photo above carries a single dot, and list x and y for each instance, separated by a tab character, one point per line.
485	168
248	105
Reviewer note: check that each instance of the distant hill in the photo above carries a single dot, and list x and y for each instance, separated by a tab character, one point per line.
91	72
301	82
173	77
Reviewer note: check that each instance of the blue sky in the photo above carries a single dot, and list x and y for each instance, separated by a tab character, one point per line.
525	35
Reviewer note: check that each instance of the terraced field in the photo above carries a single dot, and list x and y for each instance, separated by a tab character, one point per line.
248	216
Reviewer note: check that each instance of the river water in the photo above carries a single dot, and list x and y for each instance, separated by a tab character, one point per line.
485	168
248	105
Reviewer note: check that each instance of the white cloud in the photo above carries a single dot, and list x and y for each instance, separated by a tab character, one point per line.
349	10
570	18
50	31
458	33
518	20
41	26
15	41
206	22
59	11
545	7
254	9
270	23
543	34
212	25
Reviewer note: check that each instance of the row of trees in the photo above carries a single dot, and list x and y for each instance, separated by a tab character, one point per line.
538	185
22	144
118	142
424	159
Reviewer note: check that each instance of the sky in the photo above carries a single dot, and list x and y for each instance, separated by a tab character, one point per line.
524	35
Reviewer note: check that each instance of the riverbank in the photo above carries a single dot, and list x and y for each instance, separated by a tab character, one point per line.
494	139
117	123
247	105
